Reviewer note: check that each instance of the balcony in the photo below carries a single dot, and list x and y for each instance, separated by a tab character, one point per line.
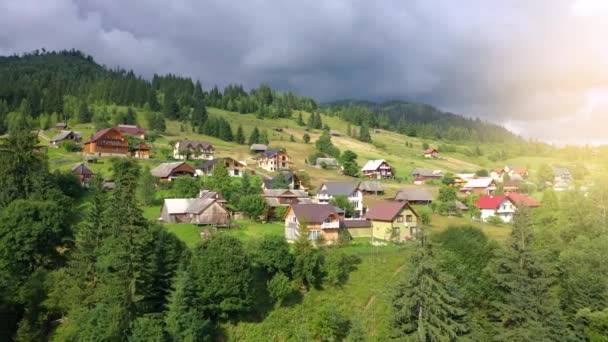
330	225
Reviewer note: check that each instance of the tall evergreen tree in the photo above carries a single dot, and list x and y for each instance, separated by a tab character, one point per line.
364	134
240	136
198	116
525	305
424	305
254	137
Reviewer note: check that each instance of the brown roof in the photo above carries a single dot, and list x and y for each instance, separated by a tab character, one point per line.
100	134
313	213
81	169
183	144
385	210
356	223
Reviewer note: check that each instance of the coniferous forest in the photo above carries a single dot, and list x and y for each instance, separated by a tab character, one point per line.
84	264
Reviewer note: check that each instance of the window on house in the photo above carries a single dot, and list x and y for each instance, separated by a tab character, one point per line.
313	234
409	218
399	218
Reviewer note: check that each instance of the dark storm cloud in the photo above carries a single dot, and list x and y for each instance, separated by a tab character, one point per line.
504	61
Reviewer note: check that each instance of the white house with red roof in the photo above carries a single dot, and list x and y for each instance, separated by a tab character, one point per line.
431	153
503	206
500	205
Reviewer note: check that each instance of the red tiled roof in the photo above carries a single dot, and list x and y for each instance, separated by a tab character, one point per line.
518	198
385	210
430	150
520	170
490	201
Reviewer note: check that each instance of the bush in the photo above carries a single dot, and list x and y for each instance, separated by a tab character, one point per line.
425	217
253	205
495	220
379	145
337	267
279	287
279	212
272	254
71	146
331	325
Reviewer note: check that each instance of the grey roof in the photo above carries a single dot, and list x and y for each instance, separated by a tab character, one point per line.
165	169
285	193
371	186
424	172
208	163
356	223
338	188
177	205
81	169
414	194
271	153
327	161
61	136
258	147
460	205
199	204
195	144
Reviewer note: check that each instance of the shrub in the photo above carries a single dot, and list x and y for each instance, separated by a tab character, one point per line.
337	267
425	217
331	325
279	287
495	220
70	146
272	254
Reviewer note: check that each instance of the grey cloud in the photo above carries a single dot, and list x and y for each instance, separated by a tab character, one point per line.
504	61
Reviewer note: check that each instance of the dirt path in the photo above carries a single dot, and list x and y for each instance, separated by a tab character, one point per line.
371	301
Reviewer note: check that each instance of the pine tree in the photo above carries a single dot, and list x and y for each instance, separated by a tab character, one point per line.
364	134
254	137
184	320
301	120
424	306
264	138
146	188
317	123
525	304
240	136
199	116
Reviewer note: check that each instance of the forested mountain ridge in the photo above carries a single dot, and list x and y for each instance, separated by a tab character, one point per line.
418	119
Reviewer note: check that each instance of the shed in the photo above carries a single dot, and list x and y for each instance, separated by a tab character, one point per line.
415	196
371	187
258	148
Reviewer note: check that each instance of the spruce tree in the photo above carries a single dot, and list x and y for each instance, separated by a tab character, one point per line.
364	134
184	319
301	120
146	188
525	305
199	115
240	136
254	137
424	305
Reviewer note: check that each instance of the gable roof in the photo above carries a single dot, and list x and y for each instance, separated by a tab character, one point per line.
431	150
258	147
272	152
285	193
82	169
313	213
460	205
414	194
521	199
385	210
481	182
130	129
373	165
371	186
164	170
177	205
424	172
338	188
520	170
491	201
101	133
195	144
61	136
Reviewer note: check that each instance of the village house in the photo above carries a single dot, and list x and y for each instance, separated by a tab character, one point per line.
274	160
65	136
431	153
132	130
461	179
500	206
321	221
414	195
497	174
515	170
169	171
481	185
424	173
511	185
234	167
258	148
141	151
327	163
191	149
293	181
107	142
329	190
371	187
61	126
503	206
391	220
358	228
379	169
207	209
83	173
285	197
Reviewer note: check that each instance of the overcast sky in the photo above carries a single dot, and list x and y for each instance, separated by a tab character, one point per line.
539	67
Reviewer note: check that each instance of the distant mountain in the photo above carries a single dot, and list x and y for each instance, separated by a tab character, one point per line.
420	120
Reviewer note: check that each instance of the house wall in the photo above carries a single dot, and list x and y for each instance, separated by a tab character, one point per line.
360	232
278	162
198	154
215	215
396	229
141	154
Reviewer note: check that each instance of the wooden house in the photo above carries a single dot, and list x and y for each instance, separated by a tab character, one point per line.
393	220
285	197
60	126
371	187
431	153
424	173
169	171
321	220
378	169
258	148
481	185
107	142
141	151
274	160
83	173
234	167
191	149
207	209
414	195
66	136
